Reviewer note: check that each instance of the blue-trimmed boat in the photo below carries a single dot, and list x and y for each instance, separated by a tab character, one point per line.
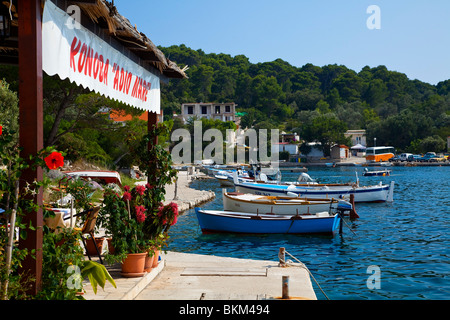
374	193
215	221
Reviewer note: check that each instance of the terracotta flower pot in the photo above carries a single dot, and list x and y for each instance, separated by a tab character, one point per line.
155	259
148	263
133	265
110	246
91	248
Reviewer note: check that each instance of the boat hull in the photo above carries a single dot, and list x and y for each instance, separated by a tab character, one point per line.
224	181
252	203
361	194
377	173
237	222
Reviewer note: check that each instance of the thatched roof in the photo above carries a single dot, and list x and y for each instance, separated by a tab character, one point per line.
105	15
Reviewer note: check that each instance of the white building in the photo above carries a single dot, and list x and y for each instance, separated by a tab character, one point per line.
357	137
219	111
292	148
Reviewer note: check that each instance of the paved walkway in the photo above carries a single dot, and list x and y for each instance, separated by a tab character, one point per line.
183	276
186	198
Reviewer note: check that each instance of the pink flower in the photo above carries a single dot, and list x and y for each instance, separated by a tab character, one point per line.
140	189
127	196
140	214
175	219
160	211
174	208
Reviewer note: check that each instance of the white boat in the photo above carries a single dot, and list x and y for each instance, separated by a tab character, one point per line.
252	203
225	177
224	180
382	173
104	176
374	193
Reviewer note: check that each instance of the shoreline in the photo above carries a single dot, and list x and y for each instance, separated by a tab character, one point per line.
186	197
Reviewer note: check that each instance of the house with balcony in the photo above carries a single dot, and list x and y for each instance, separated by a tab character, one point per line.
216	111
356	136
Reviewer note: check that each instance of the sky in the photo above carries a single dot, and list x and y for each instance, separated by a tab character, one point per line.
413	35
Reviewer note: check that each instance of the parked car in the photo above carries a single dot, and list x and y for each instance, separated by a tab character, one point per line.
416	157
394	159
431	157
405	156
438	159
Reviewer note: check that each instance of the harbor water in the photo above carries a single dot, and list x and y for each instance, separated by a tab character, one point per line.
397	250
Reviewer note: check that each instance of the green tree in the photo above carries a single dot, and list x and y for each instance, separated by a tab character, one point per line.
9	107
327	130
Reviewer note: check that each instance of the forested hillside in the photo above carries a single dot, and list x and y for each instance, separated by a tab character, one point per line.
408	114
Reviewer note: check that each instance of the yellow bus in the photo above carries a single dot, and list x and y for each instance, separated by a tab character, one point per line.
378	154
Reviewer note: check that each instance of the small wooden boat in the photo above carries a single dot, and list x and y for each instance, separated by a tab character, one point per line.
213	221
382	173
252	203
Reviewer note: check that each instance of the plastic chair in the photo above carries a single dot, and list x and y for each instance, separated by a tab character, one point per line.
88	228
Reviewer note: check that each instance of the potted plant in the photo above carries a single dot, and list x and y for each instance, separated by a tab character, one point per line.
137	220
156	227
124	223
156	162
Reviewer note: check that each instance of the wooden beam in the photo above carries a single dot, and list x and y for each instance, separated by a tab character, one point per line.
151	124
31	126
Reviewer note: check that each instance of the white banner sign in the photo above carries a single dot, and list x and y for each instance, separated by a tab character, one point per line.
72	51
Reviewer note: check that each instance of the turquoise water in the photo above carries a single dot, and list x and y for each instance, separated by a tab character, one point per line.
407	240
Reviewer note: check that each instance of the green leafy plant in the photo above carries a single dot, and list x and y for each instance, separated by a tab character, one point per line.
64	267
137	221
60	249
97	274
121	223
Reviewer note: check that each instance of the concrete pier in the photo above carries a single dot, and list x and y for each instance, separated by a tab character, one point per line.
185	276
186	197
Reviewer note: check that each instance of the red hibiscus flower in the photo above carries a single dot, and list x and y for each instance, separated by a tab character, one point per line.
127	188
54	160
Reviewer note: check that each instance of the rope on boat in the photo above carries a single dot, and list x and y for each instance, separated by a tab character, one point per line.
302	265
345	223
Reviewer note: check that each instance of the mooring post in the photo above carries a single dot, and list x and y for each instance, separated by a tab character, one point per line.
285	288
282	257
353	214
175	196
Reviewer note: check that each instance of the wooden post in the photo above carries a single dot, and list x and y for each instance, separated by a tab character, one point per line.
285	288
31	125
151	125
282	257
353	214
